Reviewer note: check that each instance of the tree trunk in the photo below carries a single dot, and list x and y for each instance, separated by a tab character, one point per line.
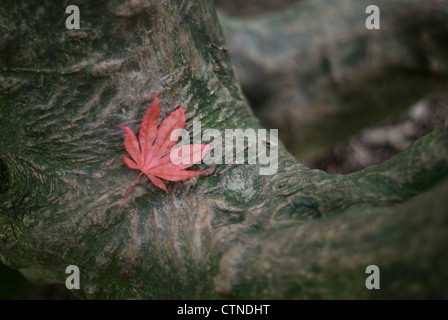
299	233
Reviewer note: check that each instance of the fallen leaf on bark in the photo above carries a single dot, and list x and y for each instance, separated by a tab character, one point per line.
151	153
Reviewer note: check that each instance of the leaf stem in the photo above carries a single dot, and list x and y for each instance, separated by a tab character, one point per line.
130	189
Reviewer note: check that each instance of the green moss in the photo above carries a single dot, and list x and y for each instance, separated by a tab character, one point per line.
5	178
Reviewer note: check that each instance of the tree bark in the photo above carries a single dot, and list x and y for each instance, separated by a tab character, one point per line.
299	233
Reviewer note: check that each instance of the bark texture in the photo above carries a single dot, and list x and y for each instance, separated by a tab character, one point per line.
234	233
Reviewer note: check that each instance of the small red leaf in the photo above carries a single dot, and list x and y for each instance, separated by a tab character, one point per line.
163	144
187	156
131	164
157	182
148	129
151	154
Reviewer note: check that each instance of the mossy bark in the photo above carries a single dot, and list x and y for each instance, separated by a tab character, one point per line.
299	233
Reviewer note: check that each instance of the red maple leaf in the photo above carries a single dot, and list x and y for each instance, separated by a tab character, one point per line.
151	154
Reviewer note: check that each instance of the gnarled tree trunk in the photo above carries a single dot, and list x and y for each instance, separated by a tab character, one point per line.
299	233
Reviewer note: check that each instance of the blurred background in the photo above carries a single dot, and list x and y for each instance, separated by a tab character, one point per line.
342	97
